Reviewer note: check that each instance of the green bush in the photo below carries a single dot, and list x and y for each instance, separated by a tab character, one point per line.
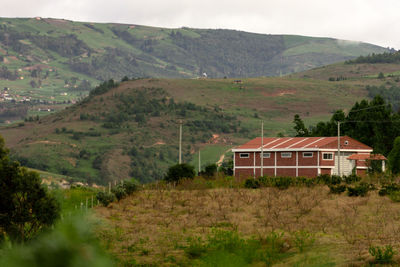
382	255
71	243
388	189
130	186
210	170
119	191
251	183
105	198
337	189
283	182
352	178
359	190
179	171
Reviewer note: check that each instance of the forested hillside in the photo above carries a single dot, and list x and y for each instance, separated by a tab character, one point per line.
59	58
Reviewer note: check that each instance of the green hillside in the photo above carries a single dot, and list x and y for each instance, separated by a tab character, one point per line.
131	128
52	62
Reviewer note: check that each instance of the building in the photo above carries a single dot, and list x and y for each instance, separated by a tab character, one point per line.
302	156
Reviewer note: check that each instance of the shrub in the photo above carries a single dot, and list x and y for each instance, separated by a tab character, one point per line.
382	255
177	172
352	178
130	186
210	170
336	189
26	207
395	196
105	198
388	189
251	183
119	191
283	182
359	190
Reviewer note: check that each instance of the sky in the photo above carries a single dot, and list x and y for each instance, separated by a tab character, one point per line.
371	21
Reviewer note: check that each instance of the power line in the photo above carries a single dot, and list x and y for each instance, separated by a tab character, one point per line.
367	108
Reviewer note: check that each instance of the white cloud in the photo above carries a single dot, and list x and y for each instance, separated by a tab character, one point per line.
361	20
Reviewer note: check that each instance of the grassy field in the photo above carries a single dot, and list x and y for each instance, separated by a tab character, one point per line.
231	226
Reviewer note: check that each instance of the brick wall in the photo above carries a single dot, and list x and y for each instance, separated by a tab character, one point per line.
312	172
244	173
244	161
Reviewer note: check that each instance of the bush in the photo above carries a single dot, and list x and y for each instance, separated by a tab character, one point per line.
359	190
119	191
352	178
382	255
179	171
210	170
130	186
251	183
389	189
105	198
337	189
26	207
283	182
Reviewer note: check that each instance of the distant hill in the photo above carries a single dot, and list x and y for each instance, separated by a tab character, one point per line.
59	60
131	128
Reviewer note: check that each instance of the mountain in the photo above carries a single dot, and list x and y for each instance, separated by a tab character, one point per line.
131	128
56	60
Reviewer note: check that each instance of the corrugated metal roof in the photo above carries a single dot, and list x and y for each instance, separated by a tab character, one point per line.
303	143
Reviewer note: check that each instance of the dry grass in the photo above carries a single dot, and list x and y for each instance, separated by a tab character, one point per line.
155	224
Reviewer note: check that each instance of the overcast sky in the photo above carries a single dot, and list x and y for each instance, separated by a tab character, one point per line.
372	21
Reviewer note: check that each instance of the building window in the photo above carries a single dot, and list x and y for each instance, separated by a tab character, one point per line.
327	156
244	155
308	154
286	154
266	155
346	143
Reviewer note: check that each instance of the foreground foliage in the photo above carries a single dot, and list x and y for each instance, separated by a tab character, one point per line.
71	243
25	205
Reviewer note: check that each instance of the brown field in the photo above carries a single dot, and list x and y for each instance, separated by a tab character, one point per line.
154	224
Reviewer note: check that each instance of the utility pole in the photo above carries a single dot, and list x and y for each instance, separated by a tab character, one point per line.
338	145
199	163
180	142
262	148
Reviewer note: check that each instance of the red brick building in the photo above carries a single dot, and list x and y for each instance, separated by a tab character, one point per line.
302	156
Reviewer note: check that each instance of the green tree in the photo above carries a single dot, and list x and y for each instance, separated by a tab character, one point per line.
394	157
210	170
25	205
178	171
299	126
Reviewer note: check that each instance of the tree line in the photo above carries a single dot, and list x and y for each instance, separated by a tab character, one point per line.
373	123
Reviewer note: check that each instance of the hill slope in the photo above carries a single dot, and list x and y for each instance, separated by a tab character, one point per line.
58	59
131	129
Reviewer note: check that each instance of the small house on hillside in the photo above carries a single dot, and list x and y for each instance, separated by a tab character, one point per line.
302	156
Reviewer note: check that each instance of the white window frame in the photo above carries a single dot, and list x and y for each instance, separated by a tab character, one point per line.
327	153
286	155
241	155
266	155
304	154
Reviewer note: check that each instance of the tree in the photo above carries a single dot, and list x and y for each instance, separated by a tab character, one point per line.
394	157
25	205
178	171
299	126
210	170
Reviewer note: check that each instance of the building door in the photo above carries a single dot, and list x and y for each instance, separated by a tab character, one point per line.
346	165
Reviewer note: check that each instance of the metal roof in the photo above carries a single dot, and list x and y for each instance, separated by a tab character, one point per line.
293	143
